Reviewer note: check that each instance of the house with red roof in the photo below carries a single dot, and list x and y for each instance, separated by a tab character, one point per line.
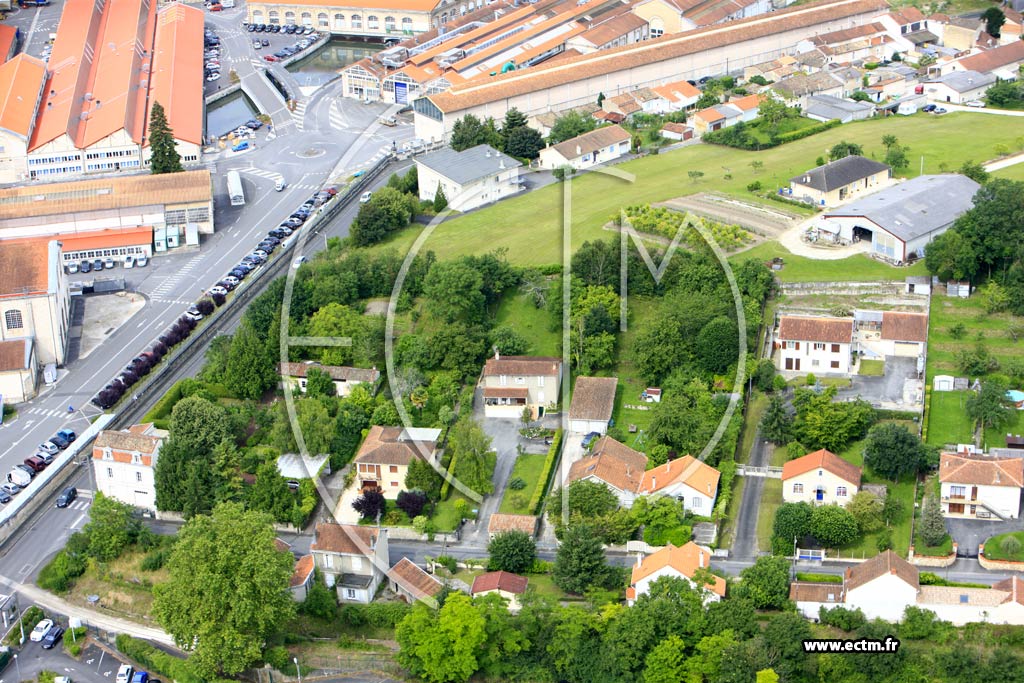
820	478
679	561
813	344
352	558
124	464
509	586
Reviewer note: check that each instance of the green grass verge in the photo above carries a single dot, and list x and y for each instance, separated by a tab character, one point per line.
924	550
771	499
947	420
755	410
446	518
727	525
518	312
818	578
631	384
529	468
872	368
530	226
996	438
994	547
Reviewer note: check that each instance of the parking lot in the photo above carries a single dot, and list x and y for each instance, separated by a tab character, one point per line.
96	664
35	24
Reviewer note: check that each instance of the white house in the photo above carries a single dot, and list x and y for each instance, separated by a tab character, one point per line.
469	179
411	582
676	96
599	146
34	299
891	333
613	464
344	378
832	108
820	478
352	558
509	586
19	370
902	219
512	383
593	401
692	482
302	578
838	181
681	562
976	485
958	87
124	463
815	345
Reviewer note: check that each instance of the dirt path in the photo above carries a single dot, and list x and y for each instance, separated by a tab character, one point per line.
761	220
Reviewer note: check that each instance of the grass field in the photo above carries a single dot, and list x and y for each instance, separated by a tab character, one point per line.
631	384
728	525
994	547
996	438
528	468
947	421
992	328
872	368
771	499
803	269
123	587
530	226
518	312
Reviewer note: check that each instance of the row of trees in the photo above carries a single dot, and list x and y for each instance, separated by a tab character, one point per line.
515	137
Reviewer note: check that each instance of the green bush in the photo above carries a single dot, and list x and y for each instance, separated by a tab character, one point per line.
162	408
541	567
517	483
448	562
73	639
806	132
155	559
29	618
156	661
376	614
447	485
676	535
545	474
727	468
60	573
277	657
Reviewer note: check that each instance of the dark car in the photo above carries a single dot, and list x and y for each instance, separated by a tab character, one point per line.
239	273
36	463
59	441
66	496
25	468
252	28
280	54
97	264
265	43
268	247
85	267
278	234
245	267
4	496
253	124
271	240
67	435
52	637
227	284
928	107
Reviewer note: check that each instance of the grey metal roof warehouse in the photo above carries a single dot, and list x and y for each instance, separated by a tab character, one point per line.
965	81
916	207
469	164
839	173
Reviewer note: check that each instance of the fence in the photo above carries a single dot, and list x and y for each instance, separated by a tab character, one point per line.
319	667
751	471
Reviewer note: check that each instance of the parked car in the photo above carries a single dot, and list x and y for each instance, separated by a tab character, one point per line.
977	104
40	631
365	197
219	289
272	58
108	263
231	280
928	108
26	469
216	8
85	267
265	42
388	121
97	264
256	44
59	441
50	448
10	488
245	267
36	463
124	674
298	262
194	313
228	285
251	28
241	146
253	124
5	497
67	496
140	677
141	261
67	435
239	273
939	110
72	268
45	457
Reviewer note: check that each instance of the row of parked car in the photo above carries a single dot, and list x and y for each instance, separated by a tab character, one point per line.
21	475
108	263
290	29
211	55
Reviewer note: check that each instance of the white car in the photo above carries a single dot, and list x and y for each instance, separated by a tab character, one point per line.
41	629
298	262
365	197
977	104
215	76
219	289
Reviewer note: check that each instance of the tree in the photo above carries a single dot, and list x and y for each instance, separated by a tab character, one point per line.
419	398
766	583
933	527
950	256
321	602
776	423
792	522
512	551
509	342
666	663
471	455
569	125
513	119
226	589
580	561
319	383
893	452
992	226
822	423
422	477
717	345
833	526
1004	94
990	407
695	175
994	19
563	172
524	142
370	505
844	149
454	291
773	112
250	370
442	647
164	157
411	502
975	171
860	96
469	131
184	480
440	201
589	499
388	210
111	529
709	98
896	156
866	508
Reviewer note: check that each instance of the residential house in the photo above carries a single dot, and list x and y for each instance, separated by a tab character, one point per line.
714	118
840	180
124	464
612	30
675	16
412	583
513	383
1012	28
593	401
500	523
468	179
344	377
676	131
302	578
509	586
961	33
545	121
692	482
904	21
384	456
624	104
351	558
19	371
34	299
1003	62
613	464
976	485
820	478
678	561
599	146
772	70
798	87
902	219
870	42
816	345
959	87
812	61
891	333
829	108
676	96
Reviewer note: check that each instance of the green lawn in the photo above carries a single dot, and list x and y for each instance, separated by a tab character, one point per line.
727	526
445	517
631	384
530	226
994	547
528	468
872	368
802	269
996	438
771	499
947	421
992	328
518	312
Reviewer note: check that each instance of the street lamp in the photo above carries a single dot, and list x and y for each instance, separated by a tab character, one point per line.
16	664
297	671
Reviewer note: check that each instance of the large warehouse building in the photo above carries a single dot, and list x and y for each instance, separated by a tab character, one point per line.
578	80
112	216
901	220
87	110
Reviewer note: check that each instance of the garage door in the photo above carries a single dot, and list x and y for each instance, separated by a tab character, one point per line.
907	349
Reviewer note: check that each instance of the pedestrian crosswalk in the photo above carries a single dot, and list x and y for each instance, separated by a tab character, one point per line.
299	113
274	176
80	504
171	283
45	412
171	300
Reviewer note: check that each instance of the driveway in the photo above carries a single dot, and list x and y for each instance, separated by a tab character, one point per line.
970	533
744	544
888	389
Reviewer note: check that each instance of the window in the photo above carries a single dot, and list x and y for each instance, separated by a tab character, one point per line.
138	476
520	380
696	502
350	594
107	455
834	364
329	561
957	491
339	21
790	345
321	20
389	23
13	320
394	468
406	24
835	348
819	346
136	459
372	22
394	484
357	21
798	488
503	380
200	214
540	381
815	362
110	472
841	491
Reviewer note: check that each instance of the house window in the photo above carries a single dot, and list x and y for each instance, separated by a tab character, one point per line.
107	455
815	363
798	488
696	502
329	561
520	380
110	473
394	484
136	459
13	320
789	345
138	476
357	21
394	468
957	491
540	381
389	23
835	348
350	594
841	491
819	346
503	380
834	364
372	23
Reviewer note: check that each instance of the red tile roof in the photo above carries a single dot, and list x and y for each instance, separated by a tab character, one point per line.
501	522
386	446
593	398
176	81
24	267
8	34
303	569
803	328
14	354
911	327
612	462
346	539
880	565
686	560
696	474
825	460
499	581
522	366
981	470
21	85
995	58
413	579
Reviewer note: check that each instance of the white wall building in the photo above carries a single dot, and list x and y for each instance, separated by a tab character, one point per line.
34	300
353	559
820	478
19	370
512	383
815	345
692	482
680	562
470	178
343	377
599	146
958	87
593	401
975	485
124	463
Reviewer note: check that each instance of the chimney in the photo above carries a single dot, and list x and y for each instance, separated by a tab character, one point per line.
654	483
497	355
700	558
639	559
579	151
501	164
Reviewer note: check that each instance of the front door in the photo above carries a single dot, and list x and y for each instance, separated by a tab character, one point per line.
789	363
974	493
956	508
819	494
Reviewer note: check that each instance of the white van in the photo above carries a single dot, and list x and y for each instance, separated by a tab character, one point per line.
141	261
124	674
129	261
19	477
279	184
